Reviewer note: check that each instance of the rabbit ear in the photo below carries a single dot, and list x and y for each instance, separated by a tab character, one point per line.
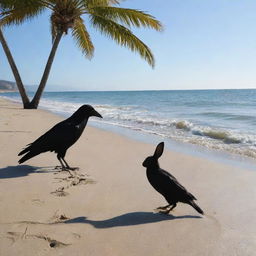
159	150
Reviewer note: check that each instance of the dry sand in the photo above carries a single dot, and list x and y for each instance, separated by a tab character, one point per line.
108	207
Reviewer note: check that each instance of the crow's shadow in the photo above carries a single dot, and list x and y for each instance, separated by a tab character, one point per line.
21	170
129	219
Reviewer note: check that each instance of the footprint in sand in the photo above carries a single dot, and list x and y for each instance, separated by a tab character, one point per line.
37	201
74	179
57	218
53	243
60	192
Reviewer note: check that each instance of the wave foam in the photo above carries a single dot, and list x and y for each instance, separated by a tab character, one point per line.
140	119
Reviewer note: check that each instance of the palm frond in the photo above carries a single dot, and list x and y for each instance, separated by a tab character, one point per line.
93	3
8	4
17	14
82	37
129	17
104	16
123	37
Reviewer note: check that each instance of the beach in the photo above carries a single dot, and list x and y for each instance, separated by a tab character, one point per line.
107	207
219	120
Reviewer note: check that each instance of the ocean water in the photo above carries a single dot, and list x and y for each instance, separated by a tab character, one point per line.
223	120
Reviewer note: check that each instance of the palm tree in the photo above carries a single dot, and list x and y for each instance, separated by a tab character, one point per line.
15	71
5	4
104	15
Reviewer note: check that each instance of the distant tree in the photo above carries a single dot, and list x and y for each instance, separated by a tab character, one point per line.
114	22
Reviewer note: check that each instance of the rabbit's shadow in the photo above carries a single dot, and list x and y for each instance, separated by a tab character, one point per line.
129	219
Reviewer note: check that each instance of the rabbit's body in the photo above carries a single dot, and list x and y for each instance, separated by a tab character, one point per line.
166	184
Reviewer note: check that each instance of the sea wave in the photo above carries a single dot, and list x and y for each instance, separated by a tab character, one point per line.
140	118
224	136
229	116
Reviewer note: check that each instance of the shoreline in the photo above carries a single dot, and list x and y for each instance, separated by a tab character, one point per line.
189	149
6	91
189	139
197	150
208	125
108	208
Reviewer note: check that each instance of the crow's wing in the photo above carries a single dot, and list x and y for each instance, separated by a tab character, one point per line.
62	134
170	186
168	174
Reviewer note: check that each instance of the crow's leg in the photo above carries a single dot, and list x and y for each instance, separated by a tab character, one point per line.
173	206
68	167
63	167
163	207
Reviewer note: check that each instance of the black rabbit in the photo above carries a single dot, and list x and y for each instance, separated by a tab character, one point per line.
166	184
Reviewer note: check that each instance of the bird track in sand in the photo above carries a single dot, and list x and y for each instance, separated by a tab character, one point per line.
74	179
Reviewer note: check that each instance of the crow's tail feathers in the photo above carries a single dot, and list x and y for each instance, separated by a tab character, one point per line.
27	156
196	207
25	150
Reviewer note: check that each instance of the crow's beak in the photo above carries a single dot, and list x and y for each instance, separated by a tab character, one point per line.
95	113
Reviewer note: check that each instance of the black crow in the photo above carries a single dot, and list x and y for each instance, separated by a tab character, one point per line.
166	184
61	136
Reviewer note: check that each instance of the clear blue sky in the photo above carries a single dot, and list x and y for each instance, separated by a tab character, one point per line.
206	44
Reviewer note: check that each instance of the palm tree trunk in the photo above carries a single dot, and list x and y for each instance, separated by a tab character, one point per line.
34	103
22	91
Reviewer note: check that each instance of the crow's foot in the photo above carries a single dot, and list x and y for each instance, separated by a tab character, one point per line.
163	207
73	168
58	168
164	211
65	169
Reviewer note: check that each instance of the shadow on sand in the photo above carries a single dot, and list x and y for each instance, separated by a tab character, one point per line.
22	170
129	219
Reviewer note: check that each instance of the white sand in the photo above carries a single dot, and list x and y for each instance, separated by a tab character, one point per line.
110	212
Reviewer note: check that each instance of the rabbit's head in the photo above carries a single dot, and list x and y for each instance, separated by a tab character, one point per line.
152	161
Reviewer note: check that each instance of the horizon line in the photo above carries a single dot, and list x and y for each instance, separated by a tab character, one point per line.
152	90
